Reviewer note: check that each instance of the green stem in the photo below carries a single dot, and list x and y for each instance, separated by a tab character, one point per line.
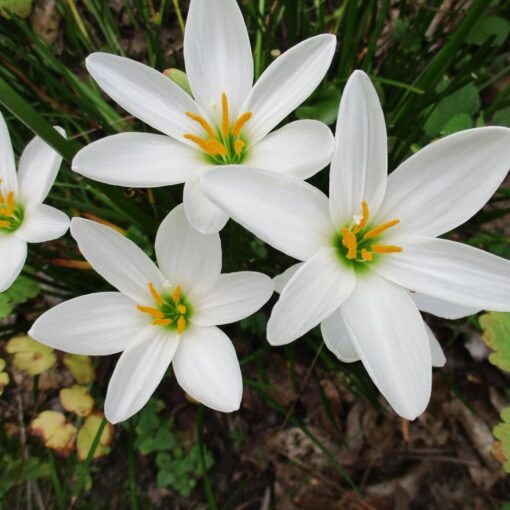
207	483
56	481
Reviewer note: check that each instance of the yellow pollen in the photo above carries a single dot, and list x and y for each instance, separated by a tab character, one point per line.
215	148
350	242
225	118
156	295
380	229
207	127
161	322
240	122
363	222
239	146
176	294
382	248
181	324
181	309
4	224
154	312
366	255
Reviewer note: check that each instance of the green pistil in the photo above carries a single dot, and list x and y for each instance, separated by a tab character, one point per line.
9	224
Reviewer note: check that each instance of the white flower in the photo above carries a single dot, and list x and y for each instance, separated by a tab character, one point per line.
374	241
159	316
229	122
23	216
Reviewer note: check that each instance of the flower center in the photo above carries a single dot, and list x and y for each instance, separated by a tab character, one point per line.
171	311
11	214
225	145
358	243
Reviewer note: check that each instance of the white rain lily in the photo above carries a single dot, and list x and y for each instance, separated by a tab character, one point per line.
159	316
229	121
23	216
371	254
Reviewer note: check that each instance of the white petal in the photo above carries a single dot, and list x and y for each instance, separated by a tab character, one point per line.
95	324
447	182
389	334
186	257
140	160
117	259
290	215
200	211
436	351
8	178
217	54
13	253
451	271
42	223
317	289
286	83
206	367
300	148
442	308
145	93
138	372
338	339
229	297
360	163
283	278
38	168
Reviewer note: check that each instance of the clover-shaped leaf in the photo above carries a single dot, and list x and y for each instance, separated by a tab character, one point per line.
496	327
31	356
4	376
77	400
81	367
55	431
87	434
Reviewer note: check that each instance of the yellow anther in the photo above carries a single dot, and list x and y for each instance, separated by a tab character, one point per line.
161	322
386	248
350	242
10	200
225	117
6	212
176	294
207	127
156	295
366	255
364	219
216	148
239	146
154	312
240	122
5	224
380	229
181	309
203	144
181	324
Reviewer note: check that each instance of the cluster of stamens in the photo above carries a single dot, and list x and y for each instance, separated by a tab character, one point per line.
359	244
172	311
11	215
225	145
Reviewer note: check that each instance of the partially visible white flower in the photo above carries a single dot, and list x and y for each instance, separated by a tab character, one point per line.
228	122
371	254
23	216
159	316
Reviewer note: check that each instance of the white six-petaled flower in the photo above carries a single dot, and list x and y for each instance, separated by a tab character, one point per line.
229	120
23	216
371	256
159	316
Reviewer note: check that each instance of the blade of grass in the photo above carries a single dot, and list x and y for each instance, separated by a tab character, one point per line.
207	483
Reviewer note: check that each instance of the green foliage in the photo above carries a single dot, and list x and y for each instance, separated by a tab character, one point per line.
490	28
19	8
21	291
17	470
496	334
502	433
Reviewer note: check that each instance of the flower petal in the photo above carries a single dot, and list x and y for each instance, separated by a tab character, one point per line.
186	257
42	223
8	177
290	215
281	280
145	93
452	272
442	308
317	289
360	163
95	324
300	148
38	168
447	182
141	160
138	372
286	83
117	259
13	253
389	334
436	351
229	297
206	367
217	53
338	339
205	216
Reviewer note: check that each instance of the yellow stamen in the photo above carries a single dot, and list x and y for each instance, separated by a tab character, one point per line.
207	127
225	119
364	220
161	322
380	229
350	242
176	294
6	212
181	309
239	146
216	148
181	324
240	122
155	294
10	201
383	248
4	224
366	255
154	312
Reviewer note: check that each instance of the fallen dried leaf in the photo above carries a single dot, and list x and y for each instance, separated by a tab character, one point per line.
31	356
76	399
53	429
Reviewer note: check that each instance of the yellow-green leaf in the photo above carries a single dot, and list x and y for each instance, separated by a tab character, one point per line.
4	376
496	334
81	367
76	399
31	356
88	432
55	431
502	432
